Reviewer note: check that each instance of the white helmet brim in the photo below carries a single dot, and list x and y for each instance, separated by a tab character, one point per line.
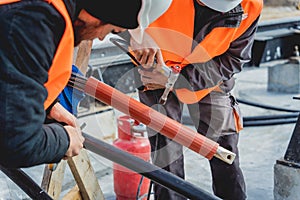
221	5
150	11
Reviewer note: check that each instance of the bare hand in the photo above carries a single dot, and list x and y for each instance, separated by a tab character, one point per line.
150	57
154	79
76	141
147	52
60	114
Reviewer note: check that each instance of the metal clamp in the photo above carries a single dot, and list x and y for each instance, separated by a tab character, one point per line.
172	73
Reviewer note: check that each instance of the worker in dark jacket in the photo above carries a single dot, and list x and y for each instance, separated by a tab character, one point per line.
210	40
37	38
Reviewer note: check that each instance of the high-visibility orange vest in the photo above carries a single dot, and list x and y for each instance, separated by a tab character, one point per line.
60	70
173	33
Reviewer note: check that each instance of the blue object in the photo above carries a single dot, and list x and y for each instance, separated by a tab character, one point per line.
70	97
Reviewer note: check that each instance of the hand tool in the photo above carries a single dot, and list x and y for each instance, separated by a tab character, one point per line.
172	73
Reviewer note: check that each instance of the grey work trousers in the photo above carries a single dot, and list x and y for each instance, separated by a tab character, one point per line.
212	117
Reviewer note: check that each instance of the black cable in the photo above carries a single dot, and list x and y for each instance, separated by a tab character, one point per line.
264	106
269	117
257	122
139	188
26	183
158	175
269	122
149	191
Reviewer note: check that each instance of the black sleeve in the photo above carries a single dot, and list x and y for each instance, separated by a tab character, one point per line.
29	34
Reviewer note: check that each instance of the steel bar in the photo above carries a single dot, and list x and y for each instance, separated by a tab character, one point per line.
28	185
157	121
158	175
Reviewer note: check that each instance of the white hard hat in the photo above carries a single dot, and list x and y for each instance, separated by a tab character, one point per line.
150	11
221	5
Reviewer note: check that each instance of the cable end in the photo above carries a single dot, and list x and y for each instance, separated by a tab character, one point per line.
225	155
162	101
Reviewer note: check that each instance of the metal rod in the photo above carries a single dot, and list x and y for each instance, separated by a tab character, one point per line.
158	175
28	185
157	121
116	41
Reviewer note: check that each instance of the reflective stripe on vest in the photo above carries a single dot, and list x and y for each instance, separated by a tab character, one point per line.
60	70
173	33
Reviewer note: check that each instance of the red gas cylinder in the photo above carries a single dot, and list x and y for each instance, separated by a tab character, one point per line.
132	139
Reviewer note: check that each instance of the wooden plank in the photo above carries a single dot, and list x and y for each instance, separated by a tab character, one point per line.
73	194
85	177
53	180
83	55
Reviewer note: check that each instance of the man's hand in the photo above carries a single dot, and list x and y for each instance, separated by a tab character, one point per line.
150	57
154	79
147	52
60	114
76	141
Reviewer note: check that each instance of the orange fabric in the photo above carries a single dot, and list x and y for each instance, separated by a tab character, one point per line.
8	1
60	70
218	41
190	97
237	121
173	33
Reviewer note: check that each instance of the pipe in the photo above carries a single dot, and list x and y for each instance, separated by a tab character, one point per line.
153	119
160	176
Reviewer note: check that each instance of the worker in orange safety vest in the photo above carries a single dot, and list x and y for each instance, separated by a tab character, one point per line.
210	40
37	39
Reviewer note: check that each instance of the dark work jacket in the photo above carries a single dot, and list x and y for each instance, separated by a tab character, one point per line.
30	32
223	67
